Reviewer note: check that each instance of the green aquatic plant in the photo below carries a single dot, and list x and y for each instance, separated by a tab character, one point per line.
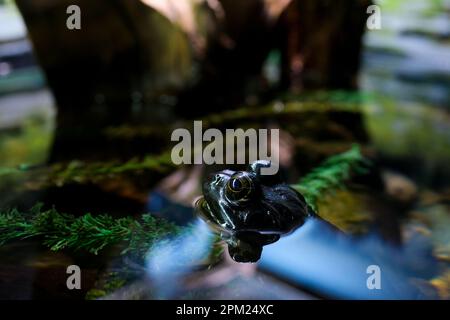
135	236
88	232
95	232
331	175
59	174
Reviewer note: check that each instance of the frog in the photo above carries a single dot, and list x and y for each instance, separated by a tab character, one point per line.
250	210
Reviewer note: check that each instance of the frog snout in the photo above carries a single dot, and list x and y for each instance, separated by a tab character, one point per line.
216	178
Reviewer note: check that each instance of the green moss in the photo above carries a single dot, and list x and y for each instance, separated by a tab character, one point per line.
18	177
95	294
409	131
28	144
107	285
59	174
346	211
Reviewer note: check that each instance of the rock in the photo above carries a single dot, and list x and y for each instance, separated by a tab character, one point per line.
347	211
442	284
400	187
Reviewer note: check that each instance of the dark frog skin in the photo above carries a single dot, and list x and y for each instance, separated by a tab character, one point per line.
251	210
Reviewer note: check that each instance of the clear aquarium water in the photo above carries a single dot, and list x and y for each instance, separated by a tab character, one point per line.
88	177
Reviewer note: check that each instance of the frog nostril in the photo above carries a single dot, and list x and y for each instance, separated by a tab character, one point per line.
215	178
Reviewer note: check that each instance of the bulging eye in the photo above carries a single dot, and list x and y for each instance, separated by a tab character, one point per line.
239	187
235	185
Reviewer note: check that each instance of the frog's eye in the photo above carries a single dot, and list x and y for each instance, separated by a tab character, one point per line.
239	187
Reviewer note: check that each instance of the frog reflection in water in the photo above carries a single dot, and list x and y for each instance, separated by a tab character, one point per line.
251	210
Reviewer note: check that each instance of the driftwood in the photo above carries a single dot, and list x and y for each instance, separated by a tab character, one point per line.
130	56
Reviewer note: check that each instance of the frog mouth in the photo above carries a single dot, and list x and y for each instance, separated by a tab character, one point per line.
204	211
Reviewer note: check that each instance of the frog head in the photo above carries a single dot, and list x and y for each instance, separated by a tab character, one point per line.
250	210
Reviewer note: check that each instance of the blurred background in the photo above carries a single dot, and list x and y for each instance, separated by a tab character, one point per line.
110	94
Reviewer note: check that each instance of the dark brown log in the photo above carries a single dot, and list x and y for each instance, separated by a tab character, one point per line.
124	51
